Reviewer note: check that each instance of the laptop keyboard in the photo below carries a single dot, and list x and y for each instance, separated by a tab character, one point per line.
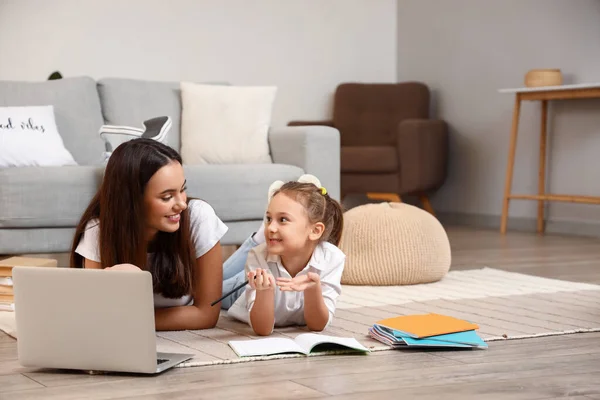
161	360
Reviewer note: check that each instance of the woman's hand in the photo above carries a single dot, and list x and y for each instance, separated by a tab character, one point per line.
299	283
261	279
124	267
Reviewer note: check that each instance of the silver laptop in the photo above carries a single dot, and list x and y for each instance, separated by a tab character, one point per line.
85	319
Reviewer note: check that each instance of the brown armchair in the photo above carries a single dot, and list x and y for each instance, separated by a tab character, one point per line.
389	144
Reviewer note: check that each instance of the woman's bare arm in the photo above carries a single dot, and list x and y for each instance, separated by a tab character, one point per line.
87	263
208	287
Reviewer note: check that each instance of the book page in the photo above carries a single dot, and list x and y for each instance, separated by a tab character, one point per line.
308	341
6	281
265	347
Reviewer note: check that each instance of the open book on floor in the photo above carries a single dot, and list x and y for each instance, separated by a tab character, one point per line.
304	343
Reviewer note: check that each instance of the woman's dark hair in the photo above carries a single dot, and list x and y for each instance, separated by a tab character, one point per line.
119	207
319	207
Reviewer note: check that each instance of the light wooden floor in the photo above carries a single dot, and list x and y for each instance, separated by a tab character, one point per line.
544	368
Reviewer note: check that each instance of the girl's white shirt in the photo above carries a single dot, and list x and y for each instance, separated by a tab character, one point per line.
327	261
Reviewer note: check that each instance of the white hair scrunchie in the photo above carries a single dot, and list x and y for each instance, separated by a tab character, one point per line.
306	178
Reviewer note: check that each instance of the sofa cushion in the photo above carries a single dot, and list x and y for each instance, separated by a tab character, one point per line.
33	197
36	240
76	109
368	159
213	117
237	192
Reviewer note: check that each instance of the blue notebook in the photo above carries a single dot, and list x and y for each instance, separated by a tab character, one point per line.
458	339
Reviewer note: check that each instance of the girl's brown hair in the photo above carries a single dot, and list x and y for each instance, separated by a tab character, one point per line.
119	208
319	207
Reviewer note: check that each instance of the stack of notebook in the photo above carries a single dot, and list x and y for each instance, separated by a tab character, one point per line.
6	283
427	330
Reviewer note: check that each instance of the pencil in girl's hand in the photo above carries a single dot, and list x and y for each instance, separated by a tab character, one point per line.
230	292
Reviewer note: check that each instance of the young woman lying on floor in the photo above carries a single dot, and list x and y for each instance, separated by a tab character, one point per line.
141	218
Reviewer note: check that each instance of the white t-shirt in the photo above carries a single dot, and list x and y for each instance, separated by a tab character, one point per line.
327	261
206	229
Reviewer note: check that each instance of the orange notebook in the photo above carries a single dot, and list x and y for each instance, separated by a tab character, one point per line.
425	325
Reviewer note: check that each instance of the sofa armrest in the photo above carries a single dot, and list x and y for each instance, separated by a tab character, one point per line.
315	149
422	154
310	123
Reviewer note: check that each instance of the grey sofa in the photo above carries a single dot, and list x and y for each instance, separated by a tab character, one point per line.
40	206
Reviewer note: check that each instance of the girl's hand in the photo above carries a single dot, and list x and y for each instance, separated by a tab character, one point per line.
124	267
261	279
299	283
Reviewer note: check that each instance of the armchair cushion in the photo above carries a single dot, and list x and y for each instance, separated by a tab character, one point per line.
366	159
423	154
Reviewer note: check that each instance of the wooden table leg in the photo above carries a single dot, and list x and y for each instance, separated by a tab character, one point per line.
511	162
542	168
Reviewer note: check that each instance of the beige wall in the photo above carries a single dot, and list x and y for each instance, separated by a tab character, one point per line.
468	49
305	47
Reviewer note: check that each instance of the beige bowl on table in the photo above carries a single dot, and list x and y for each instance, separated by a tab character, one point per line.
543	77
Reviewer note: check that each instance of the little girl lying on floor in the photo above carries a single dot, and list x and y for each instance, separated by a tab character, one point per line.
295	274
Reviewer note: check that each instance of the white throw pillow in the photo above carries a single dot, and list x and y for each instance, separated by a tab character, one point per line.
225	124
29	137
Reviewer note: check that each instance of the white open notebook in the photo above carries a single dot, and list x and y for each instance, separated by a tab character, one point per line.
303	343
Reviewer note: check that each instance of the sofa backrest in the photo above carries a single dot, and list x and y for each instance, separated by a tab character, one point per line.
82	105
130	102
76	107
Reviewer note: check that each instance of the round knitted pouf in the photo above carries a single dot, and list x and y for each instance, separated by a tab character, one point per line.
393	244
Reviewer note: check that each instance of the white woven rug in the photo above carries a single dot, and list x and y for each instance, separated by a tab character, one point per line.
505	305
